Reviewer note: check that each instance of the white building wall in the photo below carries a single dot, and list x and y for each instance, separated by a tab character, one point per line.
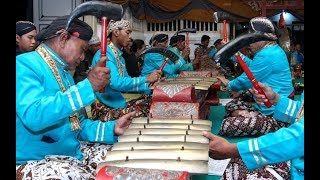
47	10
140	31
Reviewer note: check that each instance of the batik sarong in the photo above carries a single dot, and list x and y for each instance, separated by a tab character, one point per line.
104	113
236	169
65	167
242	119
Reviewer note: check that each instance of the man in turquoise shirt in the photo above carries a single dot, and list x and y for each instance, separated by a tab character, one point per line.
178	46
270	66
153	61
120	81
49	125
285	144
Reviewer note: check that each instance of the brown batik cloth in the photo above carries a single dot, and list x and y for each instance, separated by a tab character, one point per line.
253	124
236	169
104	113
65	167
206	64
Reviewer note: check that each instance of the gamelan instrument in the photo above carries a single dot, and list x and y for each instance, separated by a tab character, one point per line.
102	10
173	146
232	47
171	138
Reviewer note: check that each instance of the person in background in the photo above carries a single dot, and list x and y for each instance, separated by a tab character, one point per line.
153	61
82	69
297	56
138	46
131	60
232	69
258	157
112	103
178	46
270	66
25	37
206	54
53	139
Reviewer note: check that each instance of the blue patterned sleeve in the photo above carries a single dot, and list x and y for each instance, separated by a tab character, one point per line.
98	131
45	107
153	61
259	68
126	83
283	145
287	109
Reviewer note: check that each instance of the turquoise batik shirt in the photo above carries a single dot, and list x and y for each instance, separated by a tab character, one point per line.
120	80
153	61
212	52
185	67
283	145
43	110
269	66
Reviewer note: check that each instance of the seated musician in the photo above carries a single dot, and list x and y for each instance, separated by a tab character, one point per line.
153	61
178	46
270	66
51	134
112	103
277	155
206	62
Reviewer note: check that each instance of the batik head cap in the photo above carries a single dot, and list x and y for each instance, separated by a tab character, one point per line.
122	24
94	40
77	28
176	38
263	24
158	37
24	27
218	41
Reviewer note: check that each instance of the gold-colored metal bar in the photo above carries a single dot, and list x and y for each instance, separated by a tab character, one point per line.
201	83
201	87
197	87
194	154
158	145
171	126
147	120
212	79
163	138
162	131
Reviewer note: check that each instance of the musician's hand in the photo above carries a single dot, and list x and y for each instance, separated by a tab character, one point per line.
271	95
223	43
223	80
99	76
195	62
123	123
185	52
199	52
154	76
220	148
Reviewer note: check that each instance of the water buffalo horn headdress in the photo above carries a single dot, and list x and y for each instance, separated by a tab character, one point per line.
98	9
185	30
219	16
238	43
164	51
